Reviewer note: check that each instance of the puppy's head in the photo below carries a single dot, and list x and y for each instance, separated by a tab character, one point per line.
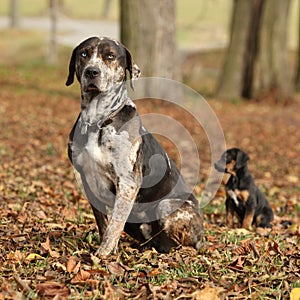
232	160
99	64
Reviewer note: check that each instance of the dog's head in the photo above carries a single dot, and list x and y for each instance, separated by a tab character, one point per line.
232	160
99	64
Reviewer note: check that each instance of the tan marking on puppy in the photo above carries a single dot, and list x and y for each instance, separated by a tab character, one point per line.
242	195
230	167
229	218
258	219
248	219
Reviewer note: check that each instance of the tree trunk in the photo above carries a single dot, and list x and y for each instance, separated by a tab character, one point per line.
148	31
257	62
272	70
52	56
106	9
297	79
128	25
14	13
231	79
252	48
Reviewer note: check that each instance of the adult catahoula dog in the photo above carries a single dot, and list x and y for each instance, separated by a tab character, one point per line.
128	178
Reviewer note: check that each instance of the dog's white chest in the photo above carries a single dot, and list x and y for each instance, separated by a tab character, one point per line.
233	196
113	150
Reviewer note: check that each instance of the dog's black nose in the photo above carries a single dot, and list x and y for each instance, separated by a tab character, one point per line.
92	72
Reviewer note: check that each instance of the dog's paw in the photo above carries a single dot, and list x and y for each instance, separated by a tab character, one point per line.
104	251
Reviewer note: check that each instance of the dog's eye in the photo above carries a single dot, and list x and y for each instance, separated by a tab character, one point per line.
110	56
83	54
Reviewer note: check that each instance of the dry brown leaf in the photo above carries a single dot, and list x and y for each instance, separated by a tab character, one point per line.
116	269
208	293
16	256
46	246
154	272
52	289
71	264
82	275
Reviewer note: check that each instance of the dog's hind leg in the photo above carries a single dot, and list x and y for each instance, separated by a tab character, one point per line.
181	223
264	219
101	220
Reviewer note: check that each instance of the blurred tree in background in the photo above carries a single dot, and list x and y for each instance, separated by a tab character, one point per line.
257	63
148	30
14	13
231	80
52	52
297	77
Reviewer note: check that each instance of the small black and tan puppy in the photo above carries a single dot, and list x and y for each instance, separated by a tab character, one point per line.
243	197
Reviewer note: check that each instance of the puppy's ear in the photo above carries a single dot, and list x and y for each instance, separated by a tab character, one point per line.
72	65
241	159
133	69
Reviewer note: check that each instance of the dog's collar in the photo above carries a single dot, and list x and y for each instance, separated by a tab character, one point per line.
95	126
117	100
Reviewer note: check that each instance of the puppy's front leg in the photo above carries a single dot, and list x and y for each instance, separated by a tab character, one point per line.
229	213
248	218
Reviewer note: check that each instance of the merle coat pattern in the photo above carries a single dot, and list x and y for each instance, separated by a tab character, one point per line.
128	178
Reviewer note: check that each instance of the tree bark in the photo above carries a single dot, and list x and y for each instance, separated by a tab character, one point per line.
148	31
231	79
251	50
272	71
14	13
257	62
297	79
106	9
52	56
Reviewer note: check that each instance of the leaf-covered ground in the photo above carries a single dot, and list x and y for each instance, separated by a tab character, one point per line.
47	230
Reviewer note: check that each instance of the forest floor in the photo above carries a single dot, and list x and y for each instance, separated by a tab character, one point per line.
48	233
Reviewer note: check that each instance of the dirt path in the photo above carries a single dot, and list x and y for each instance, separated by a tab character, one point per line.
70	31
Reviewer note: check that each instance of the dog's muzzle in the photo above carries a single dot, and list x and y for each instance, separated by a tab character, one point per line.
220	167
92	72
92	76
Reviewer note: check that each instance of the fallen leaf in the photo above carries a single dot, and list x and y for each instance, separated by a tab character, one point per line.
263	231
47	247
34	256
238	231
292	179
237	265
82	275
116	269
52	289
295	294
71	264
208	293
154	272
16	256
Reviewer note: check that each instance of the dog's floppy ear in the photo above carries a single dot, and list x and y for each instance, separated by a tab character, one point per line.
72	65
133	69
241	159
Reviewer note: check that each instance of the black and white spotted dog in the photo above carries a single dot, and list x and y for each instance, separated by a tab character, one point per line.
127	176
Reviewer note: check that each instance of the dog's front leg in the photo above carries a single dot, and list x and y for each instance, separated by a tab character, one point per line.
115	226
126	194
